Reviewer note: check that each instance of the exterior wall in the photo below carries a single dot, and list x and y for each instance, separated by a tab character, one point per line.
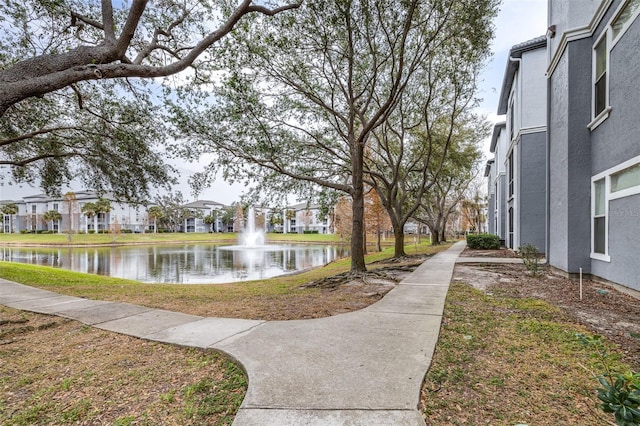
491	214
533	89
569	15
122	215
570	177
558	169
624	228
532	190
501	184
501	199
307	220
613	142
616	139
570	153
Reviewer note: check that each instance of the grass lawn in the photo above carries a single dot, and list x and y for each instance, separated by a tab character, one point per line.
276	298
57	371
502	360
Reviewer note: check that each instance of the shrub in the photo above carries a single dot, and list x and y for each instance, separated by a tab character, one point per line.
620	392
531	258
310	232
483	241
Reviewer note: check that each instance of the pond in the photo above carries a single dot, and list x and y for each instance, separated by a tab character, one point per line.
181	263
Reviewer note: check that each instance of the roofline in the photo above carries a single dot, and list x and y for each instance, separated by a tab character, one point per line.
496	132
487	168
512	65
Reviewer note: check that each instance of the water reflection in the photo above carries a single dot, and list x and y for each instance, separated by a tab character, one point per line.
184	264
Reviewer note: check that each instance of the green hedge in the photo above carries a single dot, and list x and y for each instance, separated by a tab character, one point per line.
483	241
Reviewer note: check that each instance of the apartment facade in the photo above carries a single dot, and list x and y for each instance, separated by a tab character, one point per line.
590	155
201	210
594	166
303	217
518	144
32	211
496	172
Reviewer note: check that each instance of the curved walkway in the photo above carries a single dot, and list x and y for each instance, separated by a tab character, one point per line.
359	368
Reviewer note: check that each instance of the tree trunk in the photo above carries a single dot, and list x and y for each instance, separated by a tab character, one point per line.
357	228
364	242
398	233
435	235
357	233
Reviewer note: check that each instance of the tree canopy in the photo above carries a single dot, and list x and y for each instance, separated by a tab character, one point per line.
74	101
303	94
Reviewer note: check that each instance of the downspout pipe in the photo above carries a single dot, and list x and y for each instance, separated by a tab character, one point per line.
547	153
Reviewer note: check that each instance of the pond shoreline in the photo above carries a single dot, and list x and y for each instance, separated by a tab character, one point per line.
230	240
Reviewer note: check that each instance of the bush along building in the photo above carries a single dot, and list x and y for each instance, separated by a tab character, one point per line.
591	152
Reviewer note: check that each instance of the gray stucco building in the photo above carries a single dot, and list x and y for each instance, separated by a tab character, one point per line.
575	190
519	148
594	153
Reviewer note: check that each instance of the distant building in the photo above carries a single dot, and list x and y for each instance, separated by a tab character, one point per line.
303	217
32	210
203	209
523	101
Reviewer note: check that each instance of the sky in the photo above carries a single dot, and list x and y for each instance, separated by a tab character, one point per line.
517	21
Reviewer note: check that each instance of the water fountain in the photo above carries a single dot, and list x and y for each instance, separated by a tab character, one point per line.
251	237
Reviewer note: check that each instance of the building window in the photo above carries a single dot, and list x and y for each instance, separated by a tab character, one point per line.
33	209
626	15
600	76
55	206
511	170
511	227
599	217
625	179
617	182
512	124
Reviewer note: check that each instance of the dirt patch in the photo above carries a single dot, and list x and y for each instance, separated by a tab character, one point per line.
603	309
503	252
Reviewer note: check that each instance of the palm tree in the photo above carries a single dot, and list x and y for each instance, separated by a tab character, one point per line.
53	216
209	220
103	206
155	213
289	215
89	210
10	209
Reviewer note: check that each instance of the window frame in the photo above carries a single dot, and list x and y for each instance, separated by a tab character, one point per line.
609	196
604	256
600	116
611	40
615	38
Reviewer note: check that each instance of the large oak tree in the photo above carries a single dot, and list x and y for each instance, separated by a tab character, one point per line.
304	94
73	97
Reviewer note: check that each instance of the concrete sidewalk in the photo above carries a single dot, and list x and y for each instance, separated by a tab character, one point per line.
359	368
